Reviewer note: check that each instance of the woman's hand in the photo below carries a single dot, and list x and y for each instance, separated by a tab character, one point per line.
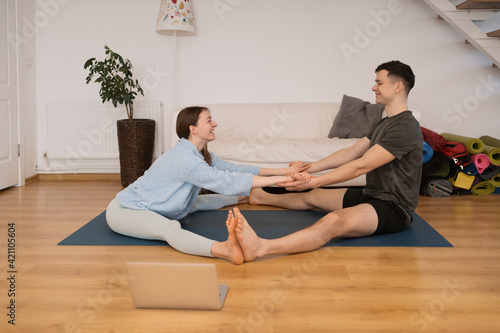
300	181
305	176
298	167
288	179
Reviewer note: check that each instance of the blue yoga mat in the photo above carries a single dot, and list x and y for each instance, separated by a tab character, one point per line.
428	152
266	223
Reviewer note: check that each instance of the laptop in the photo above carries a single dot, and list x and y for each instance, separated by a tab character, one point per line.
175	286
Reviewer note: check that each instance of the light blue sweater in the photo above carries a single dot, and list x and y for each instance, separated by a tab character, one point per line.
170	186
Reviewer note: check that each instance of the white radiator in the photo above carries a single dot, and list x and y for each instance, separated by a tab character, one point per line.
81	132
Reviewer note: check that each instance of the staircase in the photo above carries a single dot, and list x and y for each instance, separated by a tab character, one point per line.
462	18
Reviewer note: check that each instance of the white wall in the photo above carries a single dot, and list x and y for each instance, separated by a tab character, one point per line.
270	51
28	95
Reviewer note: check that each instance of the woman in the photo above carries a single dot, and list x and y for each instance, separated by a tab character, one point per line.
168	191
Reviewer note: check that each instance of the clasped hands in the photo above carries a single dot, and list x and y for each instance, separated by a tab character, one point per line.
300	178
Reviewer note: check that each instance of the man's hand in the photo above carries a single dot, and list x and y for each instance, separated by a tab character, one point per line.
301	181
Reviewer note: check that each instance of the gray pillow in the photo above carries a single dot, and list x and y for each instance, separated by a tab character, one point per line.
355	119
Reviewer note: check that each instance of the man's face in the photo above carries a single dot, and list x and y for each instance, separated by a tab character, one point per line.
384	88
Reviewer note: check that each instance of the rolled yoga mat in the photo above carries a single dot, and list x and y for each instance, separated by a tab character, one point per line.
483	188
428	152
481	161
491	148
495	180
474	146
438	165
490	141
441	169
491	171
493	154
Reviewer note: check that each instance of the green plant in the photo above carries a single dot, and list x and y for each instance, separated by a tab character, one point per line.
115	76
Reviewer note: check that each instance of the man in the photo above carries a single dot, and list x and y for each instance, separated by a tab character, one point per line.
391	158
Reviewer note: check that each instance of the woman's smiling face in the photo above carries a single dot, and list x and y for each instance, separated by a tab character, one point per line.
205	127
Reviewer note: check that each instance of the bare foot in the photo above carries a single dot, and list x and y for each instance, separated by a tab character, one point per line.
229	249
232	241
257	196
249	241
242	200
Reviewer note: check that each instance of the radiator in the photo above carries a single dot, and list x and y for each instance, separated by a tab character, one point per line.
78	132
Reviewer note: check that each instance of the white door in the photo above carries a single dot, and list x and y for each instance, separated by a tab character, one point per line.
9	159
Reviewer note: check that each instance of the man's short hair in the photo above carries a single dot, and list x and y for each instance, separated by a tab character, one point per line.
400	72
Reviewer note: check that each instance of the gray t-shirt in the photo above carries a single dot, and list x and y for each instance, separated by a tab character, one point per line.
399	180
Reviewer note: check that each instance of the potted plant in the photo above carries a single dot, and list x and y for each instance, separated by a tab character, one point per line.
135	136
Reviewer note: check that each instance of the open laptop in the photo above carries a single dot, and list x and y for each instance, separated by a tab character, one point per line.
175	286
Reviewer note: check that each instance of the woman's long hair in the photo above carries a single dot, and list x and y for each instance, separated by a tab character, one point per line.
187	117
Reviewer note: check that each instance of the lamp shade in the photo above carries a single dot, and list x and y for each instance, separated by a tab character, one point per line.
175	16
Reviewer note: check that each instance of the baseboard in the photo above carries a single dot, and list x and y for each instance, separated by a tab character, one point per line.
31	179
78	177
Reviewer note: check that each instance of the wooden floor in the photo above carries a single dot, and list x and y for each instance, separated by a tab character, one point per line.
84	288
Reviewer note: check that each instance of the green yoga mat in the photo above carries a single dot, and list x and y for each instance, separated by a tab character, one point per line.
491	148
483	188
490	141
493	154
441	170
266	223
495	180
473	145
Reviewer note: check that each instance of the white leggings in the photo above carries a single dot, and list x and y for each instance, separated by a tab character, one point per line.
147	224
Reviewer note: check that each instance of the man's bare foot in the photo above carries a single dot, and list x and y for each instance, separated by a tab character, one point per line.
249	241
229	249
257	196
242	200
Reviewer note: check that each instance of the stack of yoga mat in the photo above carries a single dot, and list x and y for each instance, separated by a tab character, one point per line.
475	171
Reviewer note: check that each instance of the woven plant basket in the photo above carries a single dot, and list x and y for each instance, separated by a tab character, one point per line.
136	144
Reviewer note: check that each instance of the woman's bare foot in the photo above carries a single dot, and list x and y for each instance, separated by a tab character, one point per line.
249	241
229	249
234	245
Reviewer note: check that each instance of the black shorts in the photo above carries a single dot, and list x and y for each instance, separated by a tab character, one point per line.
390	217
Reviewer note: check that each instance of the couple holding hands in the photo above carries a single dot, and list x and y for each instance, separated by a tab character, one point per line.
390	156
